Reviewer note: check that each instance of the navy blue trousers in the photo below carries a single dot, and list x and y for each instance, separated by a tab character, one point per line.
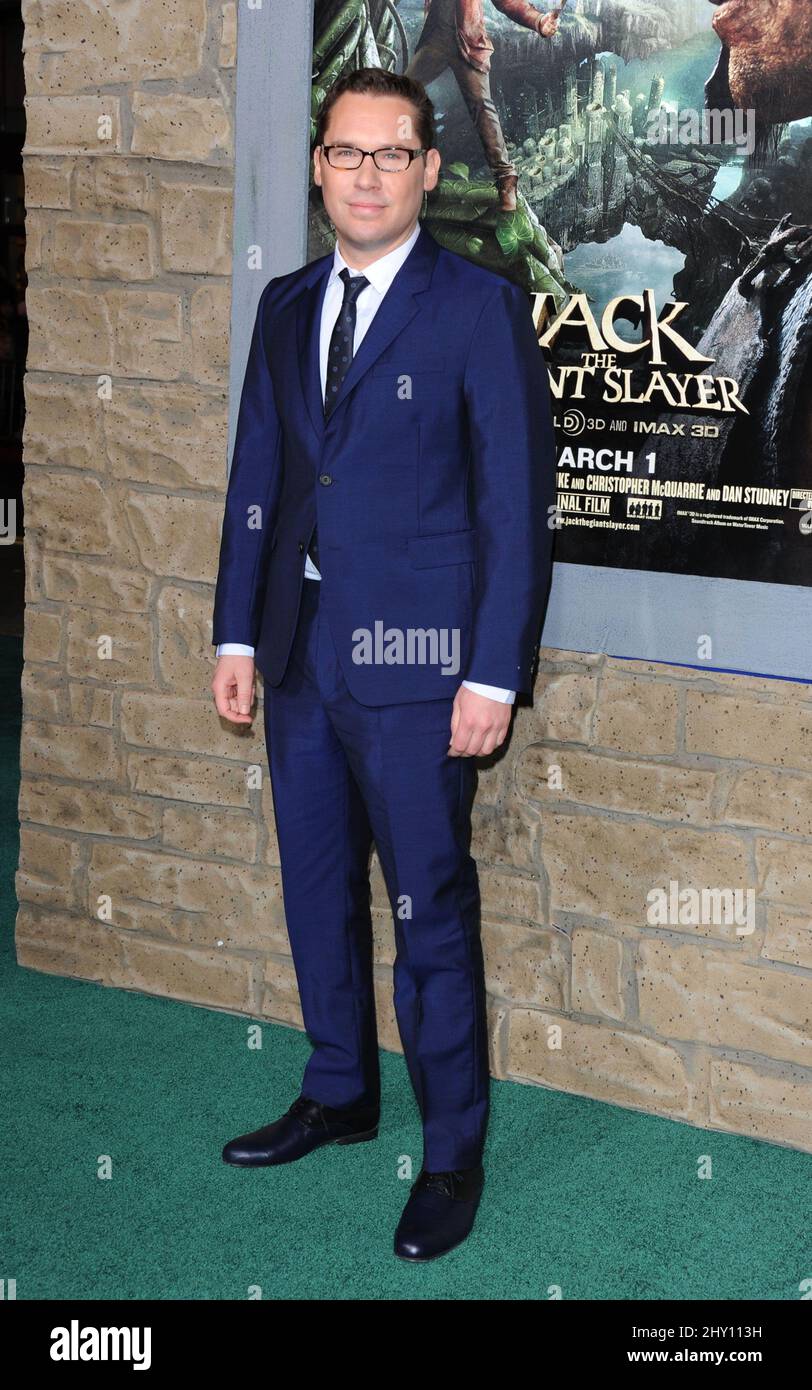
342	775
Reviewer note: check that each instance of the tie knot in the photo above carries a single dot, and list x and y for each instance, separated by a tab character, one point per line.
353	284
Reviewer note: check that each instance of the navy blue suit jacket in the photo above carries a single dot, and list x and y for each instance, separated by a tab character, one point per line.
431	482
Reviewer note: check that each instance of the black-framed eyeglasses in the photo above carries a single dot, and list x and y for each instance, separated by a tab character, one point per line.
390	159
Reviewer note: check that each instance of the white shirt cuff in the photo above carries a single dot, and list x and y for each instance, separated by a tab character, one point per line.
234	649
493	692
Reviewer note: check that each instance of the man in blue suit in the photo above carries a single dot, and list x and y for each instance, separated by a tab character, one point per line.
384	562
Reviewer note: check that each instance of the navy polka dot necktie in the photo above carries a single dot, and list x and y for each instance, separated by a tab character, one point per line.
339	360
340	354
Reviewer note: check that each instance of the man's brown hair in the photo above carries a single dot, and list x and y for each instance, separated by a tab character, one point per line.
380	82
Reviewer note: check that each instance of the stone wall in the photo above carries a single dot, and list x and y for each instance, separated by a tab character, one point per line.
148	854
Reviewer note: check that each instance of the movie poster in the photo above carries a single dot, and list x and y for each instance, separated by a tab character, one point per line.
645	173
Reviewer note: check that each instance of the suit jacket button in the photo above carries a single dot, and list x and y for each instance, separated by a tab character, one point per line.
301	546
325	479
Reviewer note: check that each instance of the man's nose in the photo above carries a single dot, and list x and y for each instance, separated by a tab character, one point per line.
368	171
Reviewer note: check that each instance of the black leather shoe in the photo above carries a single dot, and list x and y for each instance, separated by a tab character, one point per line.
305	1126
439	1213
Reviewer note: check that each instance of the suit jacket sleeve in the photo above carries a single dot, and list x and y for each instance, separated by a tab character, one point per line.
512	461
251	499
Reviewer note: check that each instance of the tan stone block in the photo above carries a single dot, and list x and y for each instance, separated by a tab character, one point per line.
498	1029
388	1032
89	810
43	692
210	318
211	977
227	55
608	1064
175	536
779	691
597	974
238	905
196	228
378	889
492	777
191	726
170	436
558	656
147	328
280	997
49	869
664	670
505	835
605	868
33	549
563	707
103	250
63	750
658	790
111	647
525	965
72	510
59	943
94	45
775	800
187	779
47	182
210	834
37	225
511	895
87	583
63	424
788	937
175	125
71	330
775	1106
636	716
112	185
785	871
185	653
90	704
383	937
42	635
759	731
270	853
695	993
78	124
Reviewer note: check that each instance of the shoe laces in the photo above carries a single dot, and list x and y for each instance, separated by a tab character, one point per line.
301	1109
440	1182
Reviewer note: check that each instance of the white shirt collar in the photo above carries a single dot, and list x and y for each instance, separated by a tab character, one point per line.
382	272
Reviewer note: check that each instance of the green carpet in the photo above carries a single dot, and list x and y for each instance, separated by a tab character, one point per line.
594	1200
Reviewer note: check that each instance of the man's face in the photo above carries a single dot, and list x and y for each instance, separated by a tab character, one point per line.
372	209
766	60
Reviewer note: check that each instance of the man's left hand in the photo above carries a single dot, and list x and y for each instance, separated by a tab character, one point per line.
478	724
548	25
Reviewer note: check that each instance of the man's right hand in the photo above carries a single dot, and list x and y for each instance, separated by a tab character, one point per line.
234	688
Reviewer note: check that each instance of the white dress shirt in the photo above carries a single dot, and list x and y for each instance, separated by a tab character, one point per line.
380	275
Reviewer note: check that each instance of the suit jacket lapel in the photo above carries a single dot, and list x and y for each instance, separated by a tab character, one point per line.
398	307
